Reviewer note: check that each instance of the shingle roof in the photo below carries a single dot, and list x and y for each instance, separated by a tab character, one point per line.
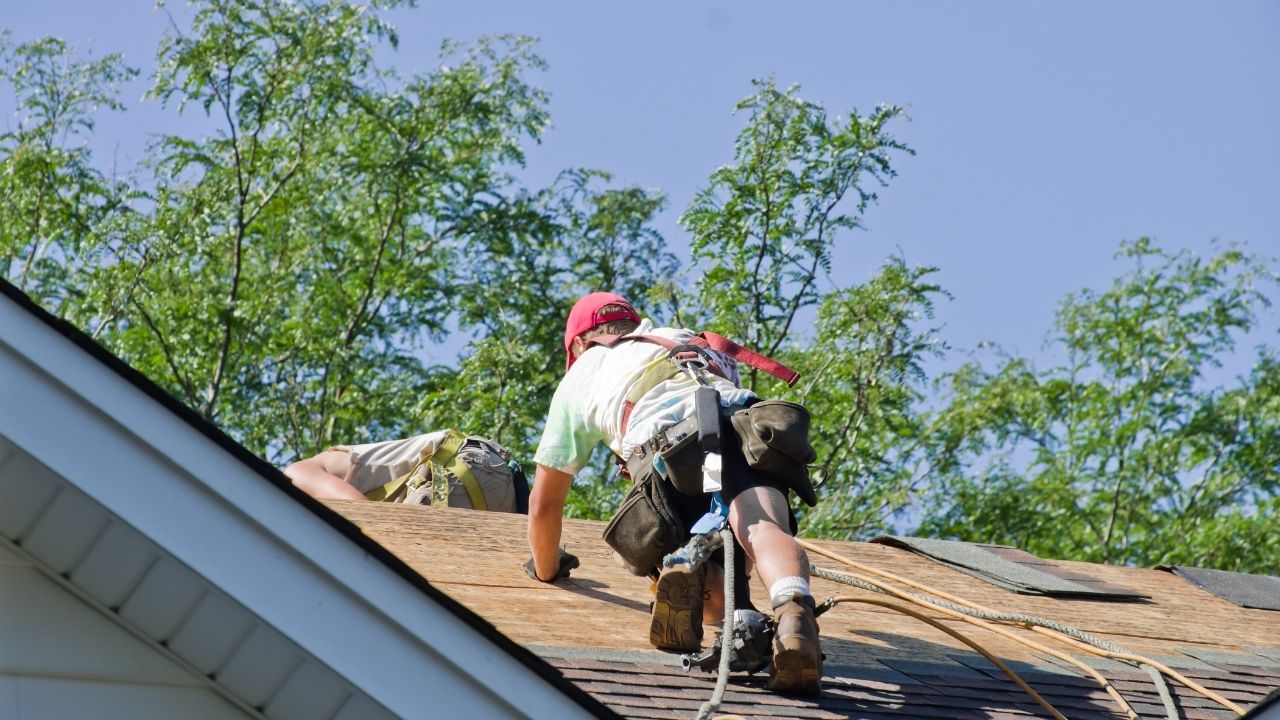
593	628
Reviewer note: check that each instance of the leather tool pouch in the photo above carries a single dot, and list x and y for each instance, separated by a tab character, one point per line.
680	451
775	441
646	528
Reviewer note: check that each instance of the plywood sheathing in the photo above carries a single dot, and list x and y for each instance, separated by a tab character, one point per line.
476	558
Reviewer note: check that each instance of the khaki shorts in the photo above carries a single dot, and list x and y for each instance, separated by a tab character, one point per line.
376	464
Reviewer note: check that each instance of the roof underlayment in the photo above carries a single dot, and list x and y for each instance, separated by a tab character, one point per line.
879	664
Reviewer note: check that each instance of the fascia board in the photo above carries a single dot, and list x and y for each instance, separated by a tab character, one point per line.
250	538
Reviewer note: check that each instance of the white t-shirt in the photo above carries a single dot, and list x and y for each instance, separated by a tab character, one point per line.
588	404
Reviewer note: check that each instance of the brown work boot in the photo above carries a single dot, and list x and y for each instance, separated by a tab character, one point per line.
797	657
676	625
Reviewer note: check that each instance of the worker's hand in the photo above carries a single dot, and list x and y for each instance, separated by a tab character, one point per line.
568	561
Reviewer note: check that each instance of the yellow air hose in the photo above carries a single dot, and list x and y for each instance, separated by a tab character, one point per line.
1092	672
1017	679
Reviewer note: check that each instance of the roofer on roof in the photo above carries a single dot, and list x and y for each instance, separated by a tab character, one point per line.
443	468
620	388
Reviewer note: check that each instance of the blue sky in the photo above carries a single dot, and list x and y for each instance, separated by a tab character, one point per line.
1045	133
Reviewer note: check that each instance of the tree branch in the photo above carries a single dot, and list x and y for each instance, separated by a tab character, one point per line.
1115	507
237	249
178	375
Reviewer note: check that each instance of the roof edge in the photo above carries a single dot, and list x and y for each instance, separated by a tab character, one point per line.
272	475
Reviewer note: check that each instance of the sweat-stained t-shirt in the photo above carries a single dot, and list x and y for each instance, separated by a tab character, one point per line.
588	404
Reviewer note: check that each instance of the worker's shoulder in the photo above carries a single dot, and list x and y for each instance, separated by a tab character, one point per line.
647	327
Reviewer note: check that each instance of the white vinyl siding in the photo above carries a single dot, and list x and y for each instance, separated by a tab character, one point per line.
60	658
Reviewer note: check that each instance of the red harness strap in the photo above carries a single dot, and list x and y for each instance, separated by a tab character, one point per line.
710	340
720	343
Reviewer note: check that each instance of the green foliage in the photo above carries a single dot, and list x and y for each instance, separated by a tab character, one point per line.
297	258
764	230
55	207
283	275
1125	451
524	270
864	381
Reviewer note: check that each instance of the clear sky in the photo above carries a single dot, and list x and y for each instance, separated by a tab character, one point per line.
1046	133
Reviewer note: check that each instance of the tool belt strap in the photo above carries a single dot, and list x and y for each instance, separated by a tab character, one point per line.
641	456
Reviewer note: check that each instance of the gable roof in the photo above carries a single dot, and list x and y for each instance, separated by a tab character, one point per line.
879	664
154	517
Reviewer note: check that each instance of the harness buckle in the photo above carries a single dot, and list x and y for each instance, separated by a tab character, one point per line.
690	358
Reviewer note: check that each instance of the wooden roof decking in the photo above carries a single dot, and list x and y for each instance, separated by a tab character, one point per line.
878	662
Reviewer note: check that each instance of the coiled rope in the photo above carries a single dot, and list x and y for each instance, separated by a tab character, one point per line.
873	587
1017	679
973	613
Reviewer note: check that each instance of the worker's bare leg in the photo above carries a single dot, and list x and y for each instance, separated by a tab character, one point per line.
324	476
713	598
760	520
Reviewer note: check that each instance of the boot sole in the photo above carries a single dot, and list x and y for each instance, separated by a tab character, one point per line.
676	625
796	671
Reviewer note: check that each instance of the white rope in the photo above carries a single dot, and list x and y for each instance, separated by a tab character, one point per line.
1162	687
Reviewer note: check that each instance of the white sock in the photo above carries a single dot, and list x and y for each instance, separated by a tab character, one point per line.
784	588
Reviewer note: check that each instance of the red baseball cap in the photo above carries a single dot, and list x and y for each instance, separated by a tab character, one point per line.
586	315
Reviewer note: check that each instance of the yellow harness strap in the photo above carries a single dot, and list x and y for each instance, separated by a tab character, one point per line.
395	489
655	373
445	458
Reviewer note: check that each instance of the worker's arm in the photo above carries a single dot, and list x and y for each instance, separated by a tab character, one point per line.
323	476
546	514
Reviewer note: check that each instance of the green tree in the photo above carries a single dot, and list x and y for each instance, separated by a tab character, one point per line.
764	229
55	206
298	256
284	274
1127	452
297	259
524	274
865	383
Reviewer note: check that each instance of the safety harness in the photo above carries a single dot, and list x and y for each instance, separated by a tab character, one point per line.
694	350
444	457
746	639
